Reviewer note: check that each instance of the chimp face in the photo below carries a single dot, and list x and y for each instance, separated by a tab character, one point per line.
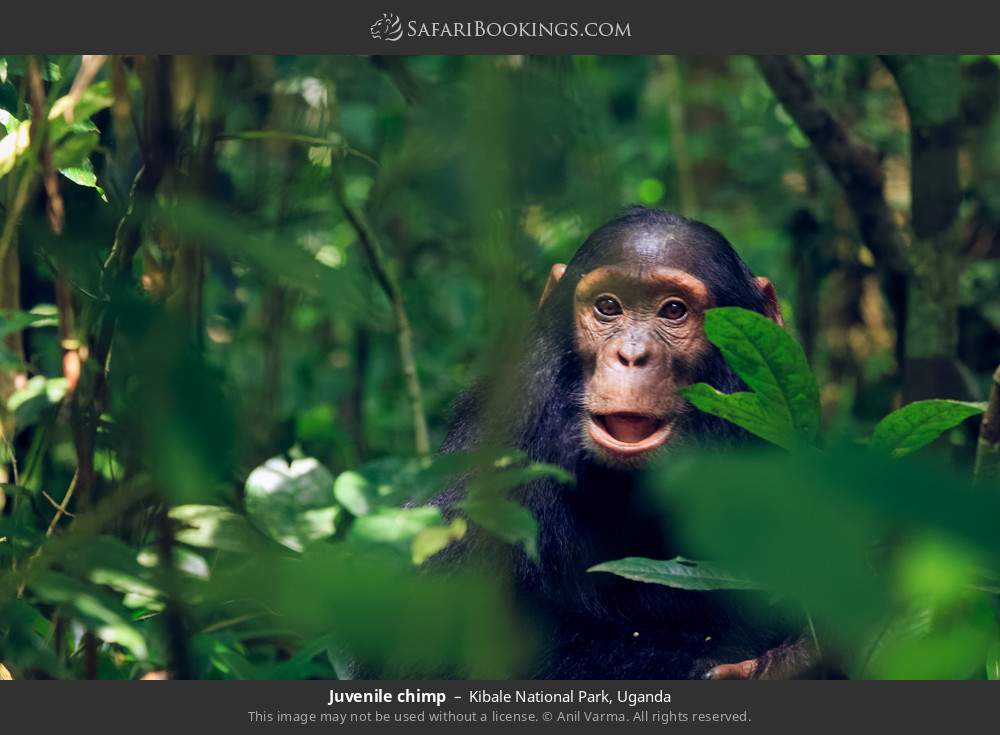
639	300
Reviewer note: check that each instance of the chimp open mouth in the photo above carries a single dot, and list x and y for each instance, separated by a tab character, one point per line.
628	434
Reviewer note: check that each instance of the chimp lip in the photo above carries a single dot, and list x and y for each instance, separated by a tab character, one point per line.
628	434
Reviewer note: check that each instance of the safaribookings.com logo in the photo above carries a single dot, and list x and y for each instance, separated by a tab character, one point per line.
390	28
387	28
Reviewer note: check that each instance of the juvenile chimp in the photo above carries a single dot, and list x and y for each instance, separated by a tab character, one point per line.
619	330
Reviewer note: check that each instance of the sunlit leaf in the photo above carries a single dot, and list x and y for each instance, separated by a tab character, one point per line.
98	609
917	424
15	321
430	541
12	147
396	526
39	393
214	527
292	503
106	560
84	175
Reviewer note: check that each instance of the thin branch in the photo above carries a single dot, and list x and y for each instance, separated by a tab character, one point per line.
855	166
380	268
61	508
55	504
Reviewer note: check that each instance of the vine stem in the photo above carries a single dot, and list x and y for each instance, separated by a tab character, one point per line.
404	333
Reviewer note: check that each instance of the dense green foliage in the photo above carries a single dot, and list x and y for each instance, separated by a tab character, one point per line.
238	297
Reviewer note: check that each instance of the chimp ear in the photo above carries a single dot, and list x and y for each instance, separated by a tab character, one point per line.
555	273
771	307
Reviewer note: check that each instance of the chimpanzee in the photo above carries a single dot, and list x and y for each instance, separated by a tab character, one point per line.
619	330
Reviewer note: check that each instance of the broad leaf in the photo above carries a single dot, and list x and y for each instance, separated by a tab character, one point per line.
292	503
677	572
97	608
773	365
917	424
84	175
744	410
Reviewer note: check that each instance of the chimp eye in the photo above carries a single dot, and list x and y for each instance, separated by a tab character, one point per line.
608	306
674	310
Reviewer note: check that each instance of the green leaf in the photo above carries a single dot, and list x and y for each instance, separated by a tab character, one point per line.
84	175
96	608
385	482
773	365
432	540
14	321
353	491
106	560
509	520
511	477
40	392
75	149
917	424
744	410
677	572
396	526
292	503
8	121
12	147
95	98
214	527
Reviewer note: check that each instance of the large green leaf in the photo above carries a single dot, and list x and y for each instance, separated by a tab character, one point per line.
919	423
769	360
292	503
677	572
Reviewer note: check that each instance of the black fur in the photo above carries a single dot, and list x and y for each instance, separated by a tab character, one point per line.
594	625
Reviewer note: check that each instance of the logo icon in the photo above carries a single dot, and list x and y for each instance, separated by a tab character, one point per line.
387	28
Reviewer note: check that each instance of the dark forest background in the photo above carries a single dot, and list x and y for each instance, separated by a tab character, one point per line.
296	264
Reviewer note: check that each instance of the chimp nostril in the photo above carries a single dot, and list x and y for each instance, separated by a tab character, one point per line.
633	355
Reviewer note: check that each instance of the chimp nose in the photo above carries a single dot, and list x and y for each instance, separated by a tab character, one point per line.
633	353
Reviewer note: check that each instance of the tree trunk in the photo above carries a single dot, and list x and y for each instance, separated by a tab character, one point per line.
930	86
